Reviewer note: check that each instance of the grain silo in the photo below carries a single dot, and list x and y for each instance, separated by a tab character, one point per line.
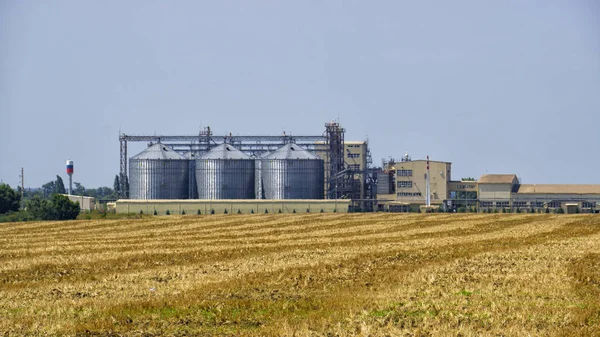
158	172
291	172
225	173
193	189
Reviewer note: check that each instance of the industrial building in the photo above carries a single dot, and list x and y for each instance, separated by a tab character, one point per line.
210	173
401	185
207	167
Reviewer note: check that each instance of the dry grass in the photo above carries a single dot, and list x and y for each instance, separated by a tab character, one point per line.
313	274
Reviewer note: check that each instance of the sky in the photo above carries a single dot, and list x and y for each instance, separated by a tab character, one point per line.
491	86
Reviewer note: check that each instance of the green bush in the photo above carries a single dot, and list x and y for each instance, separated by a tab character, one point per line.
225	211
183	212
59	208
155	212
199	212
19	216
239	211
167	212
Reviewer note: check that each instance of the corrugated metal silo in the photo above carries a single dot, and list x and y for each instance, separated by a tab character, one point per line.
193	188
225	173
259	190
291	172
158	172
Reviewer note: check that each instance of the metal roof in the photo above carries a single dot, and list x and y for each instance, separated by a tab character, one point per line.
291	151
225	151
158	151
498	179
189	155
558	189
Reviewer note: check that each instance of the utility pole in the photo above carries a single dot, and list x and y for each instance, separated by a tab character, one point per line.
22	176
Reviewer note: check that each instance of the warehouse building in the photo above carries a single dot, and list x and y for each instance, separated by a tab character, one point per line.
503	191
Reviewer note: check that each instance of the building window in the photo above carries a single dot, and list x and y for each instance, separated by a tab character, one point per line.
486	204
502	204
354	167
554	204
404	184
537	204
404	173
587	204
520	204
353	155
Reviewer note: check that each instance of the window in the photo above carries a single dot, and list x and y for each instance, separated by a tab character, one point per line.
520	204
404	173
404	184
486	204
537	204
554	204
354	167
587	204
502	204
353	155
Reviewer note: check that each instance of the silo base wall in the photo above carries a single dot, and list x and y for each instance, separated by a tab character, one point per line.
190	207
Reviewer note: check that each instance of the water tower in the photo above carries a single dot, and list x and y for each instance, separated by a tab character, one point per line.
70	173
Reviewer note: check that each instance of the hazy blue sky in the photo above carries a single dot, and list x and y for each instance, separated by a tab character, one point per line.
492	86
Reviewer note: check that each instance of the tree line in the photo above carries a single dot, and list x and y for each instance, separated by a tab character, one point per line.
49	202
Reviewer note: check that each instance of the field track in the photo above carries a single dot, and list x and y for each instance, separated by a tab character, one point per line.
377	274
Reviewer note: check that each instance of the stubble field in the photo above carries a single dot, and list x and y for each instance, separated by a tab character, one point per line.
314	274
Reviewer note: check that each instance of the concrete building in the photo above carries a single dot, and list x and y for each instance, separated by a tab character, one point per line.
85	203
405	183
503	191
401	187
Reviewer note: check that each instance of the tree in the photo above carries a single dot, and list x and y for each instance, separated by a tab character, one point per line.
39	208
60	208
117	186
64	208
79	189
9	199
48	189
59	186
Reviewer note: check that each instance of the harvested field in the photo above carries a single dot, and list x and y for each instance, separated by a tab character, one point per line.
376	274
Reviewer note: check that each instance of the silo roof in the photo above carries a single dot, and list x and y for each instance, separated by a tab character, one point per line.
225	151
291	151
158	151
189	155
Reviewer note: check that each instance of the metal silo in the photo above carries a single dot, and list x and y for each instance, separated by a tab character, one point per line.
158	172
291	172
225	173
193	188
259	191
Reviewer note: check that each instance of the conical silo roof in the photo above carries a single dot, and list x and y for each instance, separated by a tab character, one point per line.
158	151
225	151
189	155
291	151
